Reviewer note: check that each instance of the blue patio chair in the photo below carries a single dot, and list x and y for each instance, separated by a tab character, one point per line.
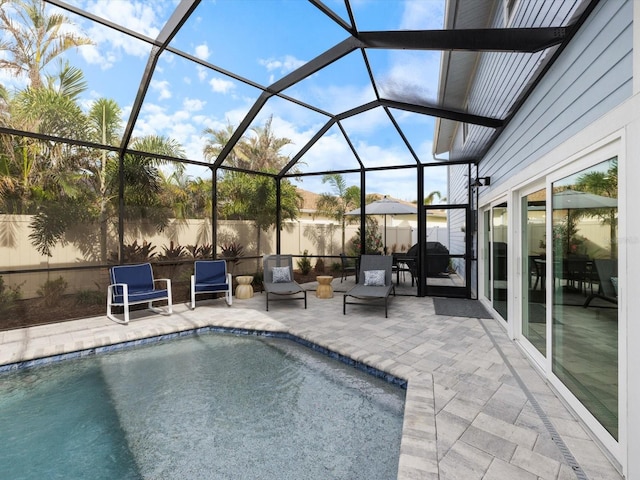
210	276
134	284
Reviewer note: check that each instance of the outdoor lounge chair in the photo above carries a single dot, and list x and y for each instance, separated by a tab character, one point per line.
134	284
374	281
607	271
278	279
210	276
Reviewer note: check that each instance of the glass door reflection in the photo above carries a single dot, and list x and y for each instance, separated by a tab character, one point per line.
499	258
534	268
585	289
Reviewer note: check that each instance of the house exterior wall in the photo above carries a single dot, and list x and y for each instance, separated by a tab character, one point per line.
586	107
593	75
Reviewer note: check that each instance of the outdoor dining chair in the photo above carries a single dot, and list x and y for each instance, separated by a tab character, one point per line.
346	268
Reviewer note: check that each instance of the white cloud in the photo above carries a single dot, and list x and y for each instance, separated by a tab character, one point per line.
413	76
202	51
220	85
162	87
202	73
193	104
283	65
422	15
143	17
366	123
109	45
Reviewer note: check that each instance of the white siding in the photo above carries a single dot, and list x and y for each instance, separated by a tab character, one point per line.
592	79
593	75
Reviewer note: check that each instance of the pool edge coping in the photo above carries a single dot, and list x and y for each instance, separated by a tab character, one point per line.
418	449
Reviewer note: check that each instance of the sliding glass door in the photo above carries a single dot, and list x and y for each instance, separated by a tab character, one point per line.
584	287
534	326
494	257
499	258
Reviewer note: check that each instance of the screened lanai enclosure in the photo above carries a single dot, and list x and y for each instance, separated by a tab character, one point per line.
165	131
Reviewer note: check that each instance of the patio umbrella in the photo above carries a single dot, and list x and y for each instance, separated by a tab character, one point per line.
570	200
573	199
384	207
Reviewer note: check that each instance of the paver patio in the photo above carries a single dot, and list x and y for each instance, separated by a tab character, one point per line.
475	407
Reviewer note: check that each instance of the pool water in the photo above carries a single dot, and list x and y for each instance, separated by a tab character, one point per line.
204	407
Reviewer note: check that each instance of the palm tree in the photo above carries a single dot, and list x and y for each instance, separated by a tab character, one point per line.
429	199
253	197
336	204
261	151
32	39
143	182
605	184
28	165
216	142
201	206
104	119
97	199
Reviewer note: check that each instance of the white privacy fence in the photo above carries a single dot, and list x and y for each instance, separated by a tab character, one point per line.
17	252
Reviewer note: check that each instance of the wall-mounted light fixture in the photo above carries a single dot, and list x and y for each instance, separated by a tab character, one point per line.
481	182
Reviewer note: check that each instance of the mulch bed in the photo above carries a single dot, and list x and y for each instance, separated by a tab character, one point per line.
33	311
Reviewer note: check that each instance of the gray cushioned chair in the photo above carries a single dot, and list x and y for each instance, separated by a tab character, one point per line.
278	279
372	286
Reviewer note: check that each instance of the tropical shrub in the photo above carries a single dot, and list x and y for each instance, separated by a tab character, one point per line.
134	253
304	264
373	241
200	251
89	297
52	291
8	297
232	252
172	252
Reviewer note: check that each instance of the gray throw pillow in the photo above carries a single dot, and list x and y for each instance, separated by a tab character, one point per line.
281	275
374	278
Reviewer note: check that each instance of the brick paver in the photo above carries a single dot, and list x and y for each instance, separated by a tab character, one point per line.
475	408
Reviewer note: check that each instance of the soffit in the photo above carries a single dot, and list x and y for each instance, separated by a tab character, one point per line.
494	83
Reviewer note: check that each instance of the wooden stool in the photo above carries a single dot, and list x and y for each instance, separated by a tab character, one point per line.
324	290
244	288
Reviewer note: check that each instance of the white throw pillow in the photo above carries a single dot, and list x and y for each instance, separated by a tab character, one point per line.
281	275
374	278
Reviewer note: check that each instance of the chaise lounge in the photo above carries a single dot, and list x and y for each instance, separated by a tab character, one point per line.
374	282
278	279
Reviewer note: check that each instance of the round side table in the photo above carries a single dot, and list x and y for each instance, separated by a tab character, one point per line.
244	288
324	290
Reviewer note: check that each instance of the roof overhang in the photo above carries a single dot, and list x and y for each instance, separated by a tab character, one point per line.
457	67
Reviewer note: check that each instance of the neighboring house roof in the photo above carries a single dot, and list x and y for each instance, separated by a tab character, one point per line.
310	199
493	84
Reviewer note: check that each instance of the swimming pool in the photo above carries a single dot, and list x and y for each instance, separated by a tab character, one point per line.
206	406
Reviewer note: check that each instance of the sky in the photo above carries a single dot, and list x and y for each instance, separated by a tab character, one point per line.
262	41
